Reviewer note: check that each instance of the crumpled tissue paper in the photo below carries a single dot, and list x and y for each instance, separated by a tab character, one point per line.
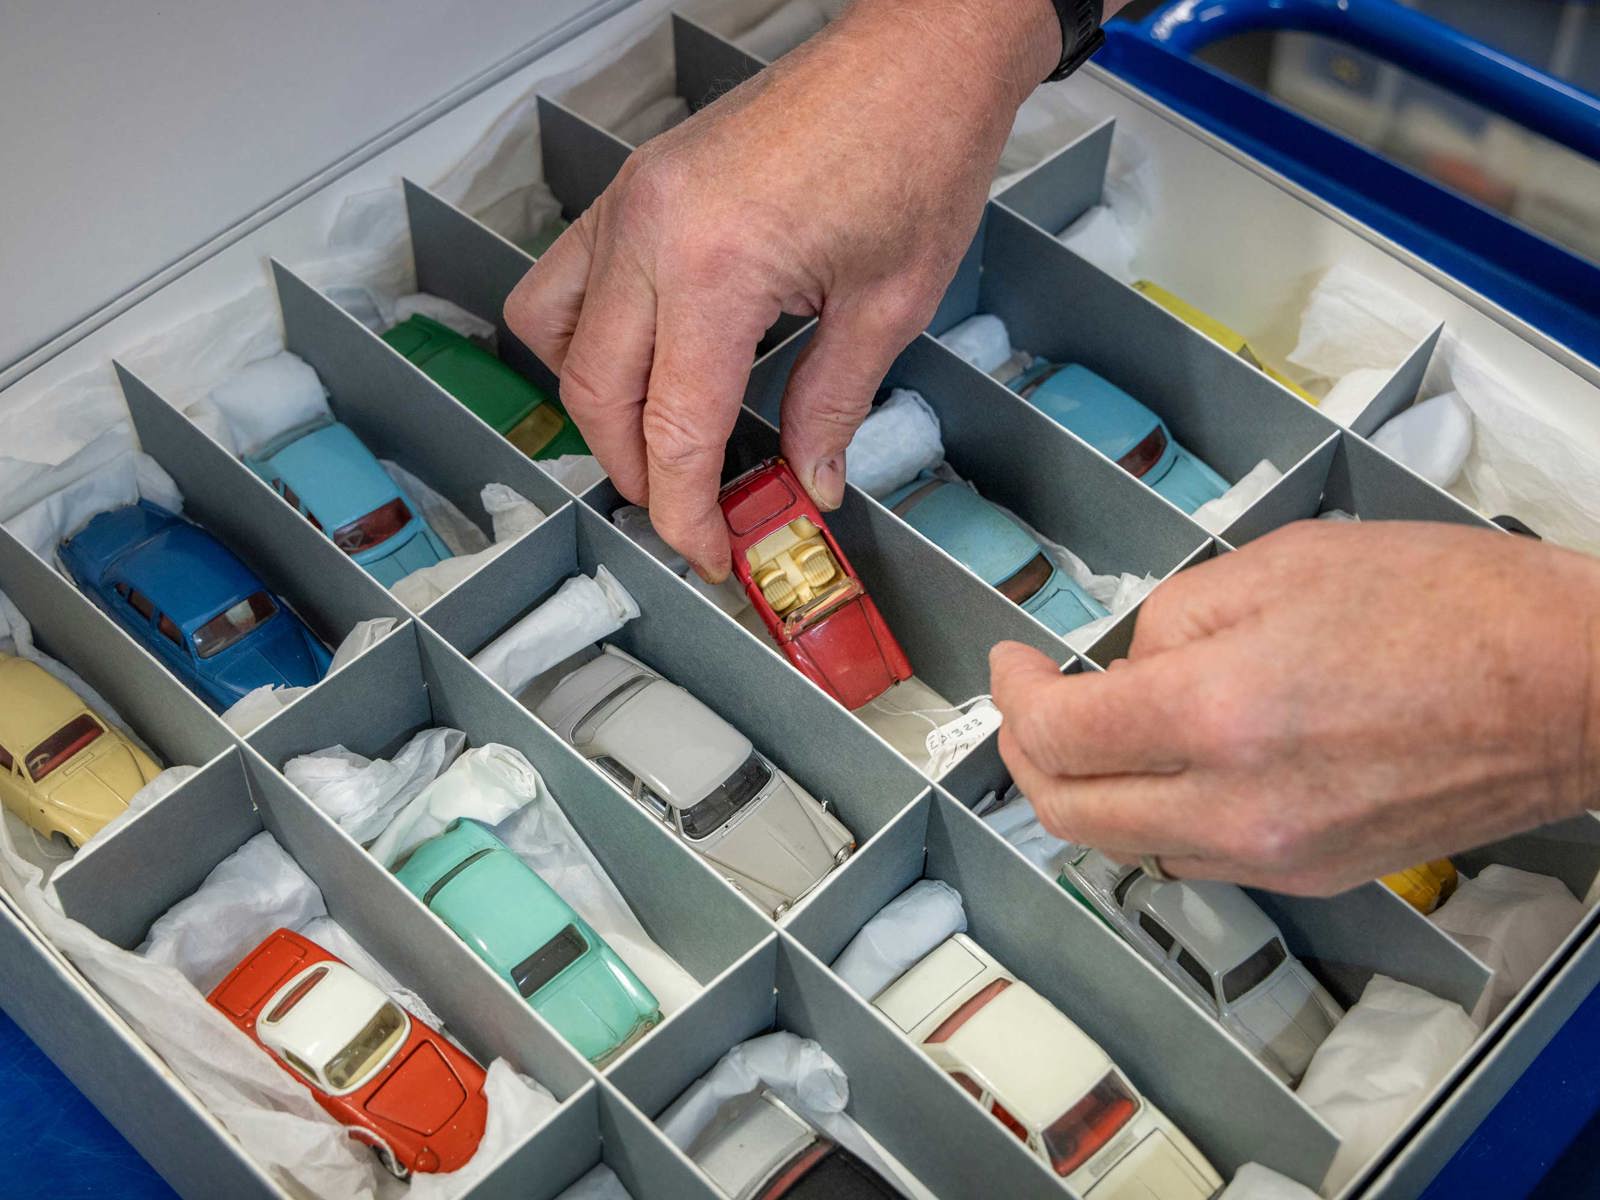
255	708
1379	1063
512	515
902	932
1511	921
1101	237
1014	819
364	795
898	440
581	612
781	30
1255	1182
267	398
1214	516
1432	437
1352	322
981	341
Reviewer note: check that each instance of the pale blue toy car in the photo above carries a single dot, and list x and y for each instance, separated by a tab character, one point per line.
340	487
990	544
1121	428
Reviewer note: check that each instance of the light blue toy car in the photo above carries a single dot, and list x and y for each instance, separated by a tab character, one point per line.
515	922
340	487
985	539
1121	428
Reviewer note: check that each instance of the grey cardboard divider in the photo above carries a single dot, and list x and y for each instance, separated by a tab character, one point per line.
1066	184
644	1160
1115	642
1053	943
580	158
399	412
707	64
68	626
1401	389
1291	498
317	579
837	761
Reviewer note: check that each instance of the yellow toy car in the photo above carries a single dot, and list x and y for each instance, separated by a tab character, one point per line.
63	770
1230	340
1424	886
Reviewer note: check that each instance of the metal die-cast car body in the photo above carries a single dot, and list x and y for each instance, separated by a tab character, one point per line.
515	922
700	776
402	1088
518	409
336	483
1121	428
1424	886
986	540
808	595
1229	339
1043	1078
188	599
758	1148
1218	947
63	770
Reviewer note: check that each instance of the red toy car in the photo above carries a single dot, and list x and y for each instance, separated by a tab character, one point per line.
402	1088
805	589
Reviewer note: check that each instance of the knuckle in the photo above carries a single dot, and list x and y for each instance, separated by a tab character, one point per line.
674	439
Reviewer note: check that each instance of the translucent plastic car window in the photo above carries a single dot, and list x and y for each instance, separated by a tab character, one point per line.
294	1061
169	630
1025	584
1192	968
1146	454
1156	930
226	628
377	527
366	1050
726	799
1249	974
548	961
141	603
1074	1138
73	737
6	761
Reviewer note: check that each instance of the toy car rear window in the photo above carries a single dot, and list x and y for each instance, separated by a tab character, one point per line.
548	961
1146	454
1252	971
61	745
1025	584
228	627
377	527
726	799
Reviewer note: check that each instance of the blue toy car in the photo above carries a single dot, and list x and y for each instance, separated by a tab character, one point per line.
188	600
340	487
515	922
1121	428
985	539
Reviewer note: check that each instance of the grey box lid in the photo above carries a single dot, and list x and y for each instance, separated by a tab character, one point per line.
138	132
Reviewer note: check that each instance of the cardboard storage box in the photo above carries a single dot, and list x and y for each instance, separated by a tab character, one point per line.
1264	239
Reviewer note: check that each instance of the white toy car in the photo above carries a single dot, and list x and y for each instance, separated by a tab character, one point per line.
1043	1078
700	776
1216	944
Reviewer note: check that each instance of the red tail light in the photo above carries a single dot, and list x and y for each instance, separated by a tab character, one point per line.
281	1009
1089	1124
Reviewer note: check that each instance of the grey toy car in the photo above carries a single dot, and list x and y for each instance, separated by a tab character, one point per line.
758	1148
1216	944
699	776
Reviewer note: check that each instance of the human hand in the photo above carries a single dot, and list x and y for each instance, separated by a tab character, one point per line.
1324	706
845	181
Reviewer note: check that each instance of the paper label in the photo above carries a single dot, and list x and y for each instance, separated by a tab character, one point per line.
953	740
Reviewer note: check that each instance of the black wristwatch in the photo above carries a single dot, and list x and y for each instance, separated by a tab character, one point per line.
1081	34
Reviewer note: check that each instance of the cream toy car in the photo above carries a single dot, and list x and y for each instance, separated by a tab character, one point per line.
63	770
1043	1078
700	776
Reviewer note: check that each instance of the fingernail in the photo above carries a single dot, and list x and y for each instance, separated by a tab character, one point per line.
827	483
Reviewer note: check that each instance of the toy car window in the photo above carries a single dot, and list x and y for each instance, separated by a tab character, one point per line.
969	1009
617	771
294	1061
602	708
1192	968
727	798
1129	878
968	1084
1073	1138
1156	930
141	603
293	497
226	628
548	961
367	1049
283	1007
6	761
1025	584
377	527
61	745
169	630
1146	454
1250	973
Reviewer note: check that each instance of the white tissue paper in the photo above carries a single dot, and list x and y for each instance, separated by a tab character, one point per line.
255	708
601	1183
1352	323
1015	820
161	786
1512	921
898	440
803	1076
1349	397
496	785
1379	1063
451	316
1047	120
455	529
1255	1182
268	397
635	522
1100	236
902	932
981	341
512	516
575	472
1432	437
364	795
1216	515
582	611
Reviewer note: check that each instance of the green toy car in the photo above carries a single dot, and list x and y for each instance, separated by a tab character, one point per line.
515	922
521	411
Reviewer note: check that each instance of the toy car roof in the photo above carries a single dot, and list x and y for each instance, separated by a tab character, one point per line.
1216	921
672	741
39	702
972	530
332	1013
1095	409
336	477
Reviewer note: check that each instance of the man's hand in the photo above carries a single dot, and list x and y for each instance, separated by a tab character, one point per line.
1326	705
845	181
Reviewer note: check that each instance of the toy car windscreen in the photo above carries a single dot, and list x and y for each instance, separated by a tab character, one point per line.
73	737
368	1049
726	799
228	627
1252	971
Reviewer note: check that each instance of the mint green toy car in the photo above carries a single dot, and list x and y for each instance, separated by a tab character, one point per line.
515	922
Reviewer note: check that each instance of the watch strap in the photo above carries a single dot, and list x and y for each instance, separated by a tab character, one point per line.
1081	34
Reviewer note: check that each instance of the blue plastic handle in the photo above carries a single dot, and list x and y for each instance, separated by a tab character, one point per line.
1406	38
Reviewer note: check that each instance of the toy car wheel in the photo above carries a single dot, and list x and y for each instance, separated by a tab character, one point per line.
62	842
384	1152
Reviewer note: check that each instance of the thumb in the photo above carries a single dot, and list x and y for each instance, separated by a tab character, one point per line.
831	388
